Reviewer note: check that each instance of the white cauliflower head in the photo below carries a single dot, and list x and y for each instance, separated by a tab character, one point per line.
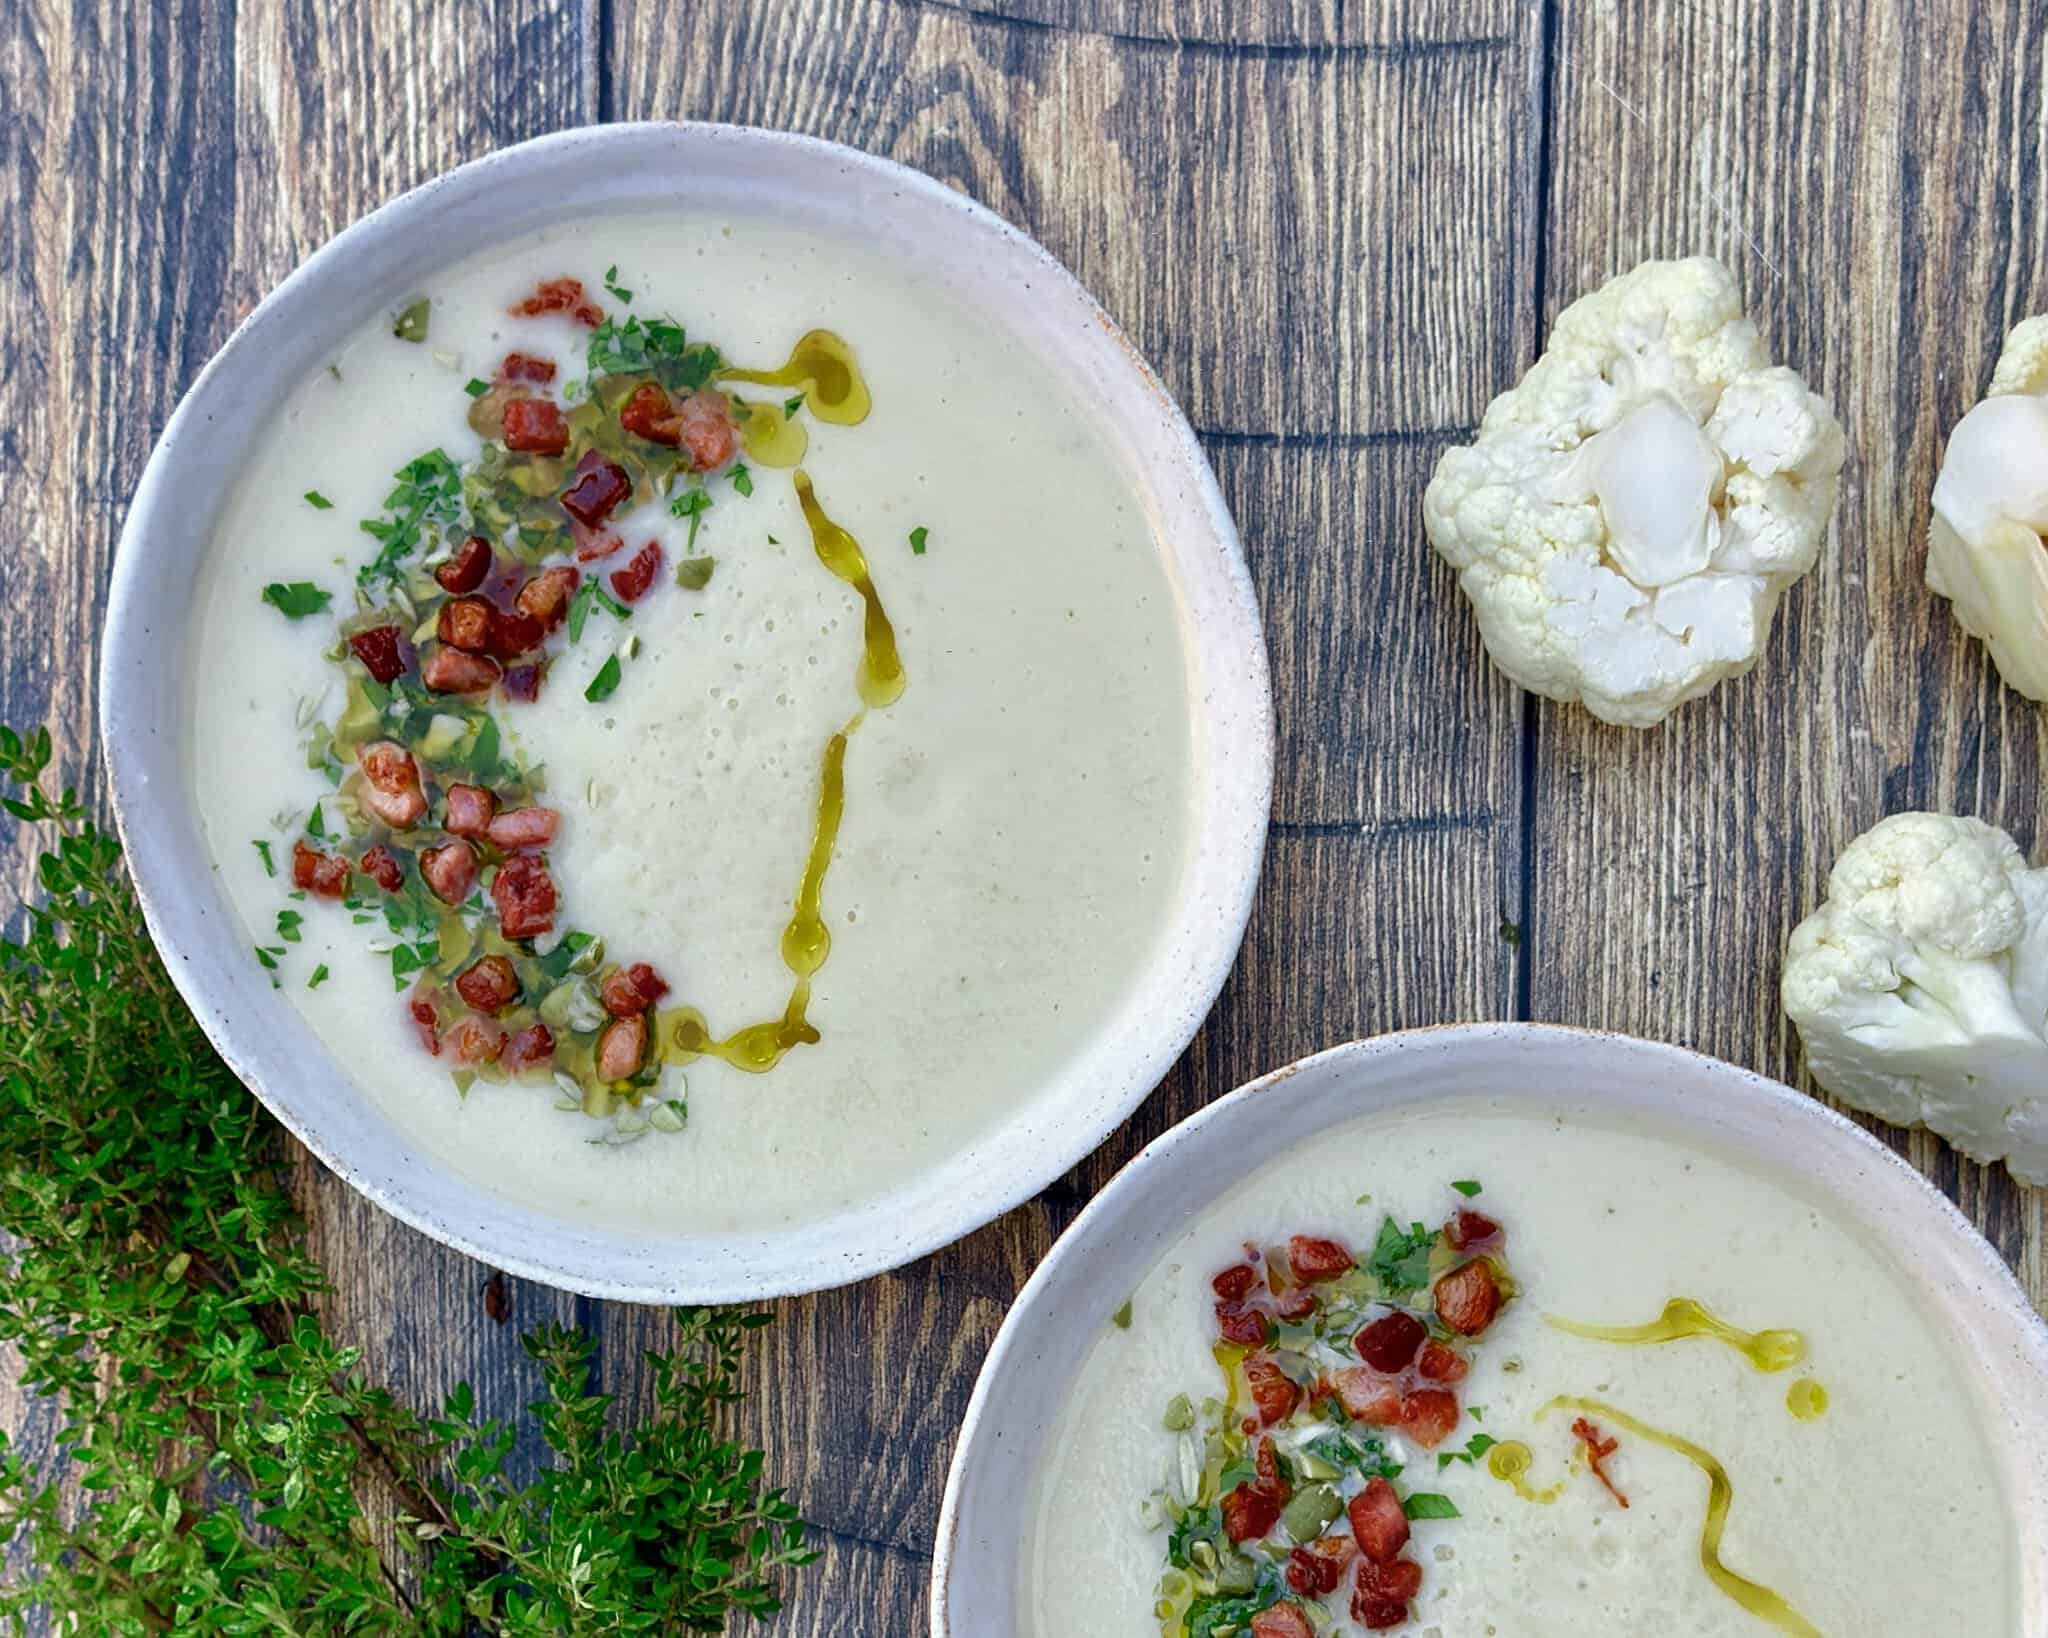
1921	986
1633	510
1985	551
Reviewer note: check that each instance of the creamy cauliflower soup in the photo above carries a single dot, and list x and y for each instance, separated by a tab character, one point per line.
1471	1374
695	719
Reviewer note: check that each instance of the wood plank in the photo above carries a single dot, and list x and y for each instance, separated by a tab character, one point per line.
1228	206
1885	263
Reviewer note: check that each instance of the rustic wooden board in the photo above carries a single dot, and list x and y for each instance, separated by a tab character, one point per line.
1335	229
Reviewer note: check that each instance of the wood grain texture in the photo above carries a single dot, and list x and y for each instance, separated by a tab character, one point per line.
1335	227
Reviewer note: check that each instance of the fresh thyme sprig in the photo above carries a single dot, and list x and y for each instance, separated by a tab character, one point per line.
229	1452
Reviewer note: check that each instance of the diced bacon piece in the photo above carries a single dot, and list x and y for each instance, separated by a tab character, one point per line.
1469	1228
1378	1524
595	489
1297	1304
1313	1260
379	650
469	811
1273	1390
465	623
1317	1569
1239	1324
630	584
1598	1449
489	985
592	544
451	871
1428	1415
622	1048
325	875
707	430
546	596
453	671
468	568
1282	1620
429	1027
1383	1593
1442	1363
560	296
527	367
476	1041
1389	1342
1467	1298
534	426
529	1048
632	990
487	412
522	682
1249	1512
514	634
392	784
648	414
1268	1464
1234	1284
1367	1397
518	828
524	893
381	865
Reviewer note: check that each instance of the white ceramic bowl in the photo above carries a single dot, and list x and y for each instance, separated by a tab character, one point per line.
370	267
986	1525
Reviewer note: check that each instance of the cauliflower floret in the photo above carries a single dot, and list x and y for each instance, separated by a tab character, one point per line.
1633	509
1921	986
1984	548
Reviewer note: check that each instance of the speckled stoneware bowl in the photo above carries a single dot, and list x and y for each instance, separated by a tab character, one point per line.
1027	296
986	1525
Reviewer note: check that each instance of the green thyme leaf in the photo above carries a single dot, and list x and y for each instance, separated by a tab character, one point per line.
297	599
318	501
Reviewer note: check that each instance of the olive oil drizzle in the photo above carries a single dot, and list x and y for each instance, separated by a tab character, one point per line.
806	940
1807	1399
823	365
1510	1461
1776	1350
1759	1600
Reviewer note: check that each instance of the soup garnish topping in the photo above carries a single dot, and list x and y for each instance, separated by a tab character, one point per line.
484	572
1287	1492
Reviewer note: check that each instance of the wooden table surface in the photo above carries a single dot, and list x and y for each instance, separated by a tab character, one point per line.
1336	229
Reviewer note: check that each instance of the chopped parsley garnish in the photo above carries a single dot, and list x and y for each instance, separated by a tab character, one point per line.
1427	1504
1196	1524
316	823
427	496
592	591
917	539
319	977
1225	1613
692	504
611	283
656	347
476	387
263	852
1466	1187
318	501
411	324
1475	1447
606	682
1121	1319
556	963
295	599
269	956
1401	1261
289	925
743	480
1363	1454
791	405
694	573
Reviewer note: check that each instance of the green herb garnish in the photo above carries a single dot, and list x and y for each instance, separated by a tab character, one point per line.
268	956
589	593
319	977
656	347
791	405
1401	1261
289	925
426	498
917	539
318	501
411	324
1427	1504
296	599
692	504
606	682
1121	1319
1466	1187
476	387
316	823
611	284
694	573
263	852
742	479
1475	1447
